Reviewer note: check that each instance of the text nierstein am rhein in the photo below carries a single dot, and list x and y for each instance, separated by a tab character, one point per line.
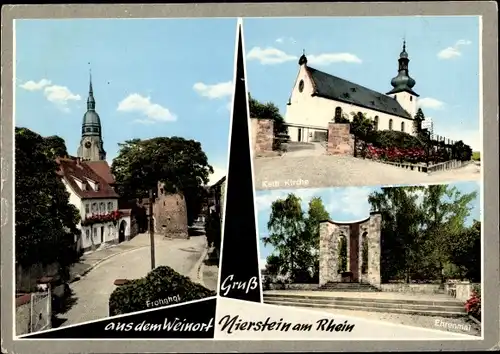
231	324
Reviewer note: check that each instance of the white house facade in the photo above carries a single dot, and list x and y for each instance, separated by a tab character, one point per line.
318	98
101	220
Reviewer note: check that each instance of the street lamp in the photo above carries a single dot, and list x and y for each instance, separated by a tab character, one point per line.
151	229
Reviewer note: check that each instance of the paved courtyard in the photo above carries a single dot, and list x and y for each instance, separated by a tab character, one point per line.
91	293
302	170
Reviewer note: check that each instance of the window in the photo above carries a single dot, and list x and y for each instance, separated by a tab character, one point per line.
88	130
87	208
301	85
102	207
360	115
87	234
338	114
96	130
402	126
395	97
95	233
375	123
94	207
390	124
411	98
110	206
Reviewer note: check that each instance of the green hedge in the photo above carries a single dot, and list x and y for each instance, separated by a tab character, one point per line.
160	284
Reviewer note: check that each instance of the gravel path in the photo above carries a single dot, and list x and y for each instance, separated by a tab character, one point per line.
92	291
457	325
335	171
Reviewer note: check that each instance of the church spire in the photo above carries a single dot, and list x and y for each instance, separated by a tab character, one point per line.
90	100
403	82
303	58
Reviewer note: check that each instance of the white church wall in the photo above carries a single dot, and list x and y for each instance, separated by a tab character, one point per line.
311	113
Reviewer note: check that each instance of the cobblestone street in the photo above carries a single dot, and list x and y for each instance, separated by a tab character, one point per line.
91	293
336	171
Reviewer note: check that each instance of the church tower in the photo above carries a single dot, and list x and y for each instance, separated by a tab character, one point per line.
91	145
403	85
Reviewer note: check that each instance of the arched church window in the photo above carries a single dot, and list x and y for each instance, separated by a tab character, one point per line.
411	98
342	252
94	207
110	206
101	208
360	115
338	114
395	97
375	123
364	253
402	126
301	85
390	124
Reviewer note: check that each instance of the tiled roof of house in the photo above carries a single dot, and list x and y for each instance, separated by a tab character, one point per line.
81	177
102	169
334	88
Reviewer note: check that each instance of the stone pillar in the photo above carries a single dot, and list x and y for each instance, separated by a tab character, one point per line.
374	249
262	131
340	141
327	253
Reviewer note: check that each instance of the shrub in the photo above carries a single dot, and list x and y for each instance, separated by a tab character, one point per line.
473	305
160	284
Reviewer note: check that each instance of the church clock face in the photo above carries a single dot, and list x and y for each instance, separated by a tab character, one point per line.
87	144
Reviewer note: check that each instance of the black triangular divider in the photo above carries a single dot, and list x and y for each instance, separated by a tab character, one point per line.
194	320
239	272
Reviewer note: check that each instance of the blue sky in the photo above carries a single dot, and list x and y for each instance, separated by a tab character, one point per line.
443	52
151	77
343	205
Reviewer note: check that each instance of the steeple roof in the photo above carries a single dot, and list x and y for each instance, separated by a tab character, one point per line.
403	82
91	119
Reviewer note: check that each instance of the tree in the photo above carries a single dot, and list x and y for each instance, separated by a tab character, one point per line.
420	230
315	215
56	146
401	218
286	227
179	163
46	223
465	252
417	122
361	128
269	111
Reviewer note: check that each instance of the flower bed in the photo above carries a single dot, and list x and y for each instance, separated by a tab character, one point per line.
393	154
113	216
473	305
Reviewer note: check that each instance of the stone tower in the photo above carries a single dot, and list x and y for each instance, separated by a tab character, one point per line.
91	144
403	85
170	214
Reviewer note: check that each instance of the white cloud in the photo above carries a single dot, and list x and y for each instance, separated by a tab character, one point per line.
60	95
331	58
152	112
269	56
35	86
431	103
453	51
217	175
56	94
220	90
286	40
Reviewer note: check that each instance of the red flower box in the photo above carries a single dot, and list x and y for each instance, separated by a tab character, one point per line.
113	216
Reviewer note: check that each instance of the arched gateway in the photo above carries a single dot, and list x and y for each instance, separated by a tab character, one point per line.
350	252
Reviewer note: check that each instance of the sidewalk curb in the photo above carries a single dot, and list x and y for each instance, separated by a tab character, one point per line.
84	273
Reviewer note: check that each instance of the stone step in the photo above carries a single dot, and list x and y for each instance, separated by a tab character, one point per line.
404	311
361	304
361	300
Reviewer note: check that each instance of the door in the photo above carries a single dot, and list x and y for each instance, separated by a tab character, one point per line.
299	138
102	234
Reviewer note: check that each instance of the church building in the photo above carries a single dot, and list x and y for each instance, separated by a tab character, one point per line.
318	98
